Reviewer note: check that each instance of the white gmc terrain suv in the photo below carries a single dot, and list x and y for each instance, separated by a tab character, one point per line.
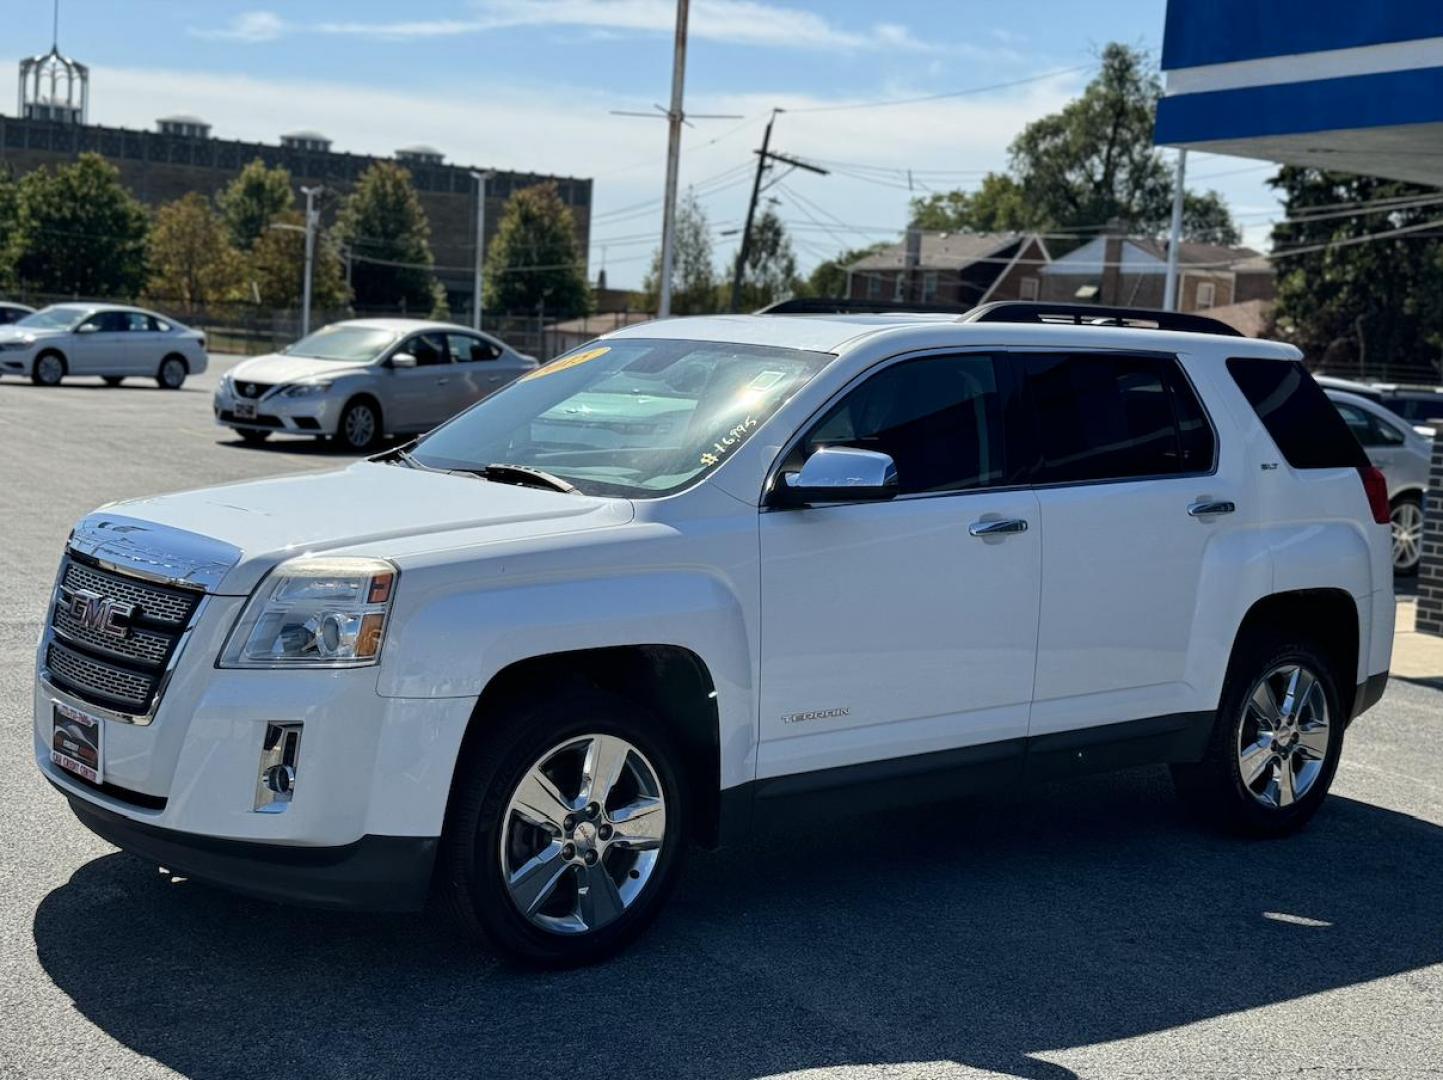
701	568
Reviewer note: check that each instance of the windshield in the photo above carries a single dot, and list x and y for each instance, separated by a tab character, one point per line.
54	318
635	417
355	344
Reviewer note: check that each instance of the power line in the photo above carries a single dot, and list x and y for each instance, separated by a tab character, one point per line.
887	103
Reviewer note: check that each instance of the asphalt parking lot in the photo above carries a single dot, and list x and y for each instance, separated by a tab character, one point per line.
1077	930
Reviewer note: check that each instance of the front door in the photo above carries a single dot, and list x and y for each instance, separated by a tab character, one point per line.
99	345
418	398
902	628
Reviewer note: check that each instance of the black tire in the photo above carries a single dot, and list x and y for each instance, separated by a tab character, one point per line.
355	434
470	881
113	380
1215	790
171	373
252	437
49	369
1411	505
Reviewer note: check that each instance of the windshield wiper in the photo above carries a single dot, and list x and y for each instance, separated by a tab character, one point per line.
523	475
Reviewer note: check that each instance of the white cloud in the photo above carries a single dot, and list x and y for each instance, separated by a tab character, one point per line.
742	22
251	27
566	130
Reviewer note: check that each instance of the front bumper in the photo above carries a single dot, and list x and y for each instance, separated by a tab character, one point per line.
318	415
16	361
374	873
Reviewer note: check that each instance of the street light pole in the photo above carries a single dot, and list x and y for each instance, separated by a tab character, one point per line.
674	118
311	216
1169	293
480	178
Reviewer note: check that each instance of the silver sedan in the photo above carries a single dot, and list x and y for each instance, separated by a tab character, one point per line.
358	380
108	340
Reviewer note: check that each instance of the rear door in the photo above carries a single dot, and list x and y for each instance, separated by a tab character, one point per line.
1129	501
144	346
901	628
483	366
421	397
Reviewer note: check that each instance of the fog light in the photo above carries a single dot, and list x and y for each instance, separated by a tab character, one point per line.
276	781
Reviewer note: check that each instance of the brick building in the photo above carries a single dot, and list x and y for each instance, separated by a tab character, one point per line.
956	268
182	156
1132	272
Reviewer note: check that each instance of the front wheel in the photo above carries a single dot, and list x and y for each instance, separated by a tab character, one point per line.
171	373
1406	520
566	830
359	429
1275	744
48	371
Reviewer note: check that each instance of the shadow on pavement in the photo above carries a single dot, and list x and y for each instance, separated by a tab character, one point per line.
981	933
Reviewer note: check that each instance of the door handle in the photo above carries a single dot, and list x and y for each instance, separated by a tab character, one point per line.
493	378
1005	527
442	382
1209	507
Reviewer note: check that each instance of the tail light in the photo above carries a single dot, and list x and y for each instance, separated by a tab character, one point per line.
1376	486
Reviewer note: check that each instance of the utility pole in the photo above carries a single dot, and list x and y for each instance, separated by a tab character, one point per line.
765	156
311	218
1169	294
480	178
674	118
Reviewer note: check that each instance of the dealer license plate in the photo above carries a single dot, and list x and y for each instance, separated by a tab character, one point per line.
75	742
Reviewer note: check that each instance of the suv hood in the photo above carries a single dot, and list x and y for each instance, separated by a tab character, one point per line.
250	527
280	368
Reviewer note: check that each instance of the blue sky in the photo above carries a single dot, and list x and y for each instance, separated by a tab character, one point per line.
530	84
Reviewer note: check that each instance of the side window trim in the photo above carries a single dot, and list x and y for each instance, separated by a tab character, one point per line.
1007	381
1175	364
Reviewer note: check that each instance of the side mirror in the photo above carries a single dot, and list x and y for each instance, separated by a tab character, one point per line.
836	474
403	360
87	328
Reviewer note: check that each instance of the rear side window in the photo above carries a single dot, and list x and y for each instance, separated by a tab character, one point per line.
1297	414
1115	417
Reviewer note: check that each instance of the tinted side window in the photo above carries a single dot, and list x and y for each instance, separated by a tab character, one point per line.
428	349
1297	414
1368	429
1106	417
939	418
465	348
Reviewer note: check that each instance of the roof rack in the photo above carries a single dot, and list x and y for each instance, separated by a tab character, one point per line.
844	305
1014	311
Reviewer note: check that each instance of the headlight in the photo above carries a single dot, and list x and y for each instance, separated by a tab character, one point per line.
315	612
306	389
17	343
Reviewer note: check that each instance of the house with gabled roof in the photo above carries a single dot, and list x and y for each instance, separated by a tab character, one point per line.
954	268
1127	271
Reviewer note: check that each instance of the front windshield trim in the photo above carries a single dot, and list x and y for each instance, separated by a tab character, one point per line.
34	320
654	419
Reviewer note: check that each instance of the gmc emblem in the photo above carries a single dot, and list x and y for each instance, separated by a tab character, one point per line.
92	611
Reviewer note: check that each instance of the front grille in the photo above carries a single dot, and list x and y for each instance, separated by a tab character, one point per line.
252	390
117	671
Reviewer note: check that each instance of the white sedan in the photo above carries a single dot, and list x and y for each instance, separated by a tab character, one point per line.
101	339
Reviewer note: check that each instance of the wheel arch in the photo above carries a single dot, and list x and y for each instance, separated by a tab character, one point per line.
669	680
52	350
370	399
174	355
1327	617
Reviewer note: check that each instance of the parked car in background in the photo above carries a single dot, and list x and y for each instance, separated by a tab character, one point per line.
1349	386
107	340
1416	404
12	312
358	380
1402	456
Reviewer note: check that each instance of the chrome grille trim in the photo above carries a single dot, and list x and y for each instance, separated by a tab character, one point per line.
139	646
157	604
112	684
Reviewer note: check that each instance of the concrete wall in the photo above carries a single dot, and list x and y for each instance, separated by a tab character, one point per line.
1430	572
159	168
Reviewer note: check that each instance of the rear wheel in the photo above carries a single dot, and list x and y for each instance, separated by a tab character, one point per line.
49	369
566	830
1407	523
1275	745
171	373
113	380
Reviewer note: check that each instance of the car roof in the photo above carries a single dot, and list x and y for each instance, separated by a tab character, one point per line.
404	325
833	333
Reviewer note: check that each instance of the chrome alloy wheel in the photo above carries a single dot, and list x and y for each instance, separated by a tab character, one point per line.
1407	522
359	426
1283	739
582	834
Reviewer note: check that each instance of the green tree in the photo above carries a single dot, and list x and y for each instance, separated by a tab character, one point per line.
534	263
1370	309
78	231
255	198
192	259
276	268
829	278
1092	163
770	273
693	278
384	225
9	220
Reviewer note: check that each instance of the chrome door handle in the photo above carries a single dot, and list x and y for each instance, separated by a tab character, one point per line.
442	382
1004	527
1208	507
